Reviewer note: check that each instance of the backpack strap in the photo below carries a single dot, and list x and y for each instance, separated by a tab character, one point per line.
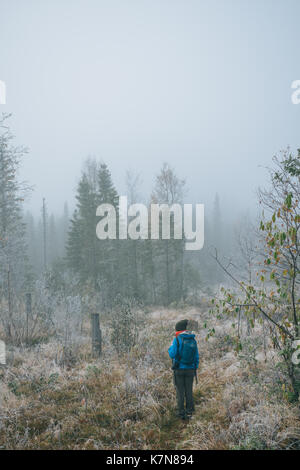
178	347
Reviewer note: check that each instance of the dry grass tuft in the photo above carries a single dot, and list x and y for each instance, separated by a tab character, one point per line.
127	402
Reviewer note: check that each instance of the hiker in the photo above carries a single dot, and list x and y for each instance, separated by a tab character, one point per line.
185	361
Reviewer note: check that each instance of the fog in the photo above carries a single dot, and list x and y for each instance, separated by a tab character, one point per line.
203	85
151	232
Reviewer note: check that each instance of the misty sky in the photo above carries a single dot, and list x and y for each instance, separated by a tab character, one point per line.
204	85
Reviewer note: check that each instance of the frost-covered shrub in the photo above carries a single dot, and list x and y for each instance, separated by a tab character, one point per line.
125	322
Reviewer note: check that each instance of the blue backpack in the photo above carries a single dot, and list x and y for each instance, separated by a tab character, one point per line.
188	352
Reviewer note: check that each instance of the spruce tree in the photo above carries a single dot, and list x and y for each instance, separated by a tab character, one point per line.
108	251
93	259
15	274
81	245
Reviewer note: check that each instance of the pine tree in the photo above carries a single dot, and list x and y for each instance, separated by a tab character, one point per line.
168	254
65	228
109	251
107	193
217	224
131	265
14	269
217	237
93	259
74	255
81	246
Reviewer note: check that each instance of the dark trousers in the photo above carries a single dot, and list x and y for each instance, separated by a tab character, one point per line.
183	381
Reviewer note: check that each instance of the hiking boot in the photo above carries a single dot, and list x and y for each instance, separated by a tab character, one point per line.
189	414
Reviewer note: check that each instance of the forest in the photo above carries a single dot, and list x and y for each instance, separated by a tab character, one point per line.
69	383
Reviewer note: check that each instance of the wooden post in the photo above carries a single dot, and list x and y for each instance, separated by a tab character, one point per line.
2	353
44	212
96	336
28	313
9	326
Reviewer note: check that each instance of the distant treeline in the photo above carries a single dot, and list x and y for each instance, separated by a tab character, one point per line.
153	271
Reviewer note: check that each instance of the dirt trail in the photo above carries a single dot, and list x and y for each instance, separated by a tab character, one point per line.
174	431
